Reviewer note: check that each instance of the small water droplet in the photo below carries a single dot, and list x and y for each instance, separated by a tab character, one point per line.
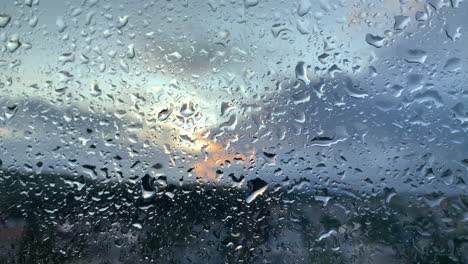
66	57
173	57
164	114
250	3
131	51
13	44
60	23
122	22
33	21
301	73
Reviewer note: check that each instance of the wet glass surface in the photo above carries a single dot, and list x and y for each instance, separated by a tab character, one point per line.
233	131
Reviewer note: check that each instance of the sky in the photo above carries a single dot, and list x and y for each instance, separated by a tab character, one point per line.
358	95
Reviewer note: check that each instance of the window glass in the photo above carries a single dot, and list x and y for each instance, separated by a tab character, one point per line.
233	131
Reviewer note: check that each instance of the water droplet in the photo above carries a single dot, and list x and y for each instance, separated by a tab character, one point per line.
33	21
250	3
60	23
147	187
4	20
355	90
301	98
385	104
187	109
257	188
225	107
171	195
13	44
137	226
401	22
416	56
173	57
95	90
453	32
456	3
304	7
415	82
301	73
164	114
122	22
421	16
230	124
460	112
277	29
375	41
66	57
124	65
131	51
11	111
302	27
326	235
429	96
453	64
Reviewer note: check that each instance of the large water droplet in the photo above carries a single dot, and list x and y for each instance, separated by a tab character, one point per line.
375	41
401	22
4	20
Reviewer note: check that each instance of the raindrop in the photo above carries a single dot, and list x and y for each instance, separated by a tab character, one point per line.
66	57
453	32
301	73
257	187
13	44
250	3
401	22
122	22
276	29
375	41
460	112
147	186
173	57
453	64
416	56
421	16
11	111
131	51
355	90
187	109
164	114
4	20
304	7
60	23
415	82
124	66
225	107
230	124
95	90
33	21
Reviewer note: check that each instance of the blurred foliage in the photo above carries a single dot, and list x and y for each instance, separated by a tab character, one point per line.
111	222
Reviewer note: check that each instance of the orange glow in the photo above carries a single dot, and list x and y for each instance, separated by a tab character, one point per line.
217	155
